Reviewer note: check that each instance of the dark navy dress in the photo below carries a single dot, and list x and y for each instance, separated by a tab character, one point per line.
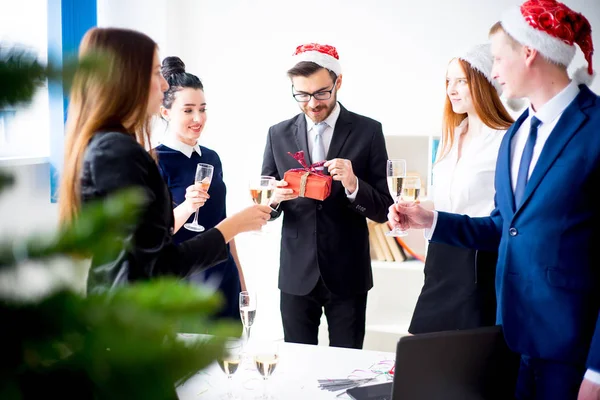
179	171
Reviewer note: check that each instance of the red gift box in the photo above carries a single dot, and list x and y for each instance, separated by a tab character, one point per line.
308	181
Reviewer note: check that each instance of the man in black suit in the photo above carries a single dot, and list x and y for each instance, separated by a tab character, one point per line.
325	261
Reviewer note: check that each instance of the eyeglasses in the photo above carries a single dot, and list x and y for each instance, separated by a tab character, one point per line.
320	95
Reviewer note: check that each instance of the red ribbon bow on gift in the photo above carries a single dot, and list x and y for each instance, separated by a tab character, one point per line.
299	156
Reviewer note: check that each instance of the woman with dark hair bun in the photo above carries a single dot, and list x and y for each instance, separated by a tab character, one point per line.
184	109
105	152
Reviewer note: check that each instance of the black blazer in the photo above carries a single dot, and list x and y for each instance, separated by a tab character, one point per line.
330	238
113	161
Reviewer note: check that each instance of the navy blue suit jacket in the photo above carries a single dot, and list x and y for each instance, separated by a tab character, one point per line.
547	279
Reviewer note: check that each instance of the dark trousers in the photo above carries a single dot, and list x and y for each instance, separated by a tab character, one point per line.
548	380
301	316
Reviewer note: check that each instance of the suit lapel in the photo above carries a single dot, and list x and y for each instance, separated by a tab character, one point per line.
342	129
567	126
506	176
300	137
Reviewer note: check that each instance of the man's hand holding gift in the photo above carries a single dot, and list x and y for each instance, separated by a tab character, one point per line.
341	170
282	194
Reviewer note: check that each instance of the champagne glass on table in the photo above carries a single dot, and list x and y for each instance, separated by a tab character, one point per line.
261	192
204	173
229	362
266	359
396	174
247	311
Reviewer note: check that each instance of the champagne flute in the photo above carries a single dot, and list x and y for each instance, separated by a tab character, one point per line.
411	189
247	311
261	192
229	362
204	173
396	173
266	359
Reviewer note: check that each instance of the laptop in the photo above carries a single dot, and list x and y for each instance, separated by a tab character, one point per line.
472	364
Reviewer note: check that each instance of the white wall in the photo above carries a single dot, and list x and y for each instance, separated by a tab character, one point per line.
393	53
25	207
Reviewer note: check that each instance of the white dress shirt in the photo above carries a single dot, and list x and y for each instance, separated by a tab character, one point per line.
311	132
549	115
172	142
466	185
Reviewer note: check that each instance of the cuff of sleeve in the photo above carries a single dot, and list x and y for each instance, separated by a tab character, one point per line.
352	196
428	233
592	376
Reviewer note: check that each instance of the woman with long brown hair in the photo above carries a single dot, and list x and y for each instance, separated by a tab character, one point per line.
106	150
458	292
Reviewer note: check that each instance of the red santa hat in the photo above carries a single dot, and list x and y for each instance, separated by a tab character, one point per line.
323	55
553	29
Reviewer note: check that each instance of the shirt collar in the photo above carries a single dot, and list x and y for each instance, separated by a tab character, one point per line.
176	144
556	105
330	120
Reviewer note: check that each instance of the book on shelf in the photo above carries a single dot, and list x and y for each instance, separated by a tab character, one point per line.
397	250
374	242
384	248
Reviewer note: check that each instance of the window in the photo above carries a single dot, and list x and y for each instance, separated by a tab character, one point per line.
24	131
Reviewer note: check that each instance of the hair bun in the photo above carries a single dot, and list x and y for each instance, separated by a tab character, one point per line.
171	66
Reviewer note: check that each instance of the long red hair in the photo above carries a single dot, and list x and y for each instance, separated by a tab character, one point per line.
487	103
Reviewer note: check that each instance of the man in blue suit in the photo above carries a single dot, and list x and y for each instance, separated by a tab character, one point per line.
547	217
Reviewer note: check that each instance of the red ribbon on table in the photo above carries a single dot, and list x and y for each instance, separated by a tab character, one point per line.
299	156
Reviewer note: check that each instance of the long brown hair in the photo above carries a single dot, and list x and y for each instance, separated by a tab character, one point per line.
488	106
115	98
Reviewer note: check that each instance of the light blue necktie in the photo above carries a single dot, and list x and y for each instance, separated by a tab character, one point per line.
523	175
318	153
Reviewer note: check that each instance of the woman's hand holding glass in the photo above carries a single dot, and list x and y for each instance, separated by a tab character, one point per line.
195	197
249	219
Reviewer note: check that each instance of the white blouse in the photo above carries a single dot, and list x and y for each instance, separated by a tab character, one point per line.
466	186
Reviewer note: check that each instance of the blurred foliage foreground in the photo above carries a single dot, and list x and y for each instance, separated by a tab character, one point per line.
121	344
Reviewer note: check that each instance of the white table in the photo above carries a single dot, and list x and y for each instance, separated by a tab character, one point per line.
296	376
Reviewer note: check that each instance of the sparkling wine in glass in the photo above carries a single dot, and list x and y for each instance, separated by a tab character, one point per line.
411	189
266	359
396	174
261	191
247	311
204	173
229	362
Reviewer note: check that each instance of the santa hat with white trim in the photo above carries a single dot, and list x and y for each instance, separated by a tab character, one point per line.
323	55
553	29
480	59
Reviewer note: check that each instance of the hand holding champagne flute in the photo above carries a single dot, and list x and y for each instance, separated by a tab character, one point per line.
204	173
396	174
261	191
